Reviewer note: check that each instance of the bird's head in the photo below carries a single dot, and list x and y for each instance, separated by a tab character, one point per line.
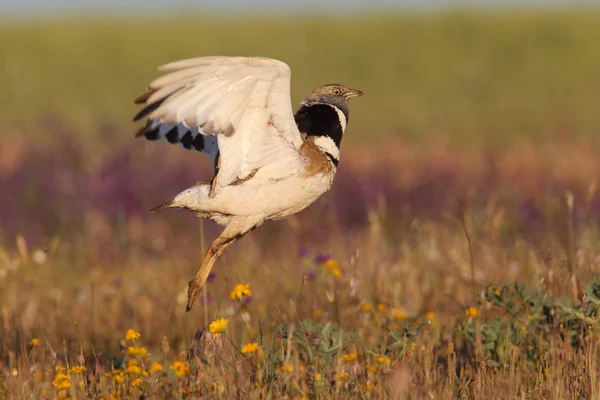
335	94
324	115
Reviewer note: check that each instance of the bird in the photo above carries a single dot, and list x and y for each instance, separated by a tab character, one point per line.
269	162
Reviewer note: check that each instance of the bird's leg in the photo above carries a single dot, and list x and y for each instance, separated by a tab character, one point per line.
232	233
197	283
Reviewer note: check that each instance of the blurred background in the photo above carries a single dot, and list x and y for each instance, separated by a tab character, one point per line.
478	116
480	76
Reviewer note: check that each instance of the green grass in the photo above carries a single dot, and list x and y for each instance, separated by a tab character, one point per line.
488	77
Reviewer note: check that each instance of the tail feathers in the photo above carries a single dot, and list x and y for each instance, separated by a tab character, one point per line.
192	199
162	206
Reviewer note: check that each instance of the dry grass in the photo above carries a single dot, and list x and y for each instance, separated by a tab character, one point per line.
442	267
405	283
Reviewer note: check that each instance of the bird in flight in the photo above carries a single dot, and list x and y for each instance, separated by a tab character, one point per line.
268	162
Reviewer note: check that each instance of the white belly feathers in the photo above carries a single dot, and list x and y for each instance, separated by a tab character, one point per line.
271	200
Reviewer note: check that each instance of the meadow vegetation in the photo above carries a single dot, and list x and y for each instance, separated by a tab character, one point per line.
455	257
498	75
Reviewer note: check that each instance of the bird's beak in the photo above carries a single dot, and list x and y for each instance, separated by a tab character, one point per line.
353	93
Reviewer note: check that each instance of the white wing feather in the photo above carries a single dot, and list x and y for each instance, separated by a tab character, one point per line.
244	101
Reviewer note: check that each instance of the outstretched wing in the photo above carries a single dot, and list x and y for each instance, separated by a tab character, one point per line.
235	108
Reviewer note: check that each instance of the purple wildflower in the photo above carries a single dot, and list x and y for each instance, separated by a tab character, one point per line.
302	252
321	258
246	300
311	275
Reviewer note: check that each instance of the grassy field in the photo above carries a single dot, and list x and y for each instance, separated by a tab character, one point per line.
439	266
472	76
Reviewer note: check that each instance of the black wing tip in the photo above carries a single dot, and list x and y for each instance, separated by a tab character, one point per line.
188	140
148	109
142	98
148	132
145	111
173	135
142	131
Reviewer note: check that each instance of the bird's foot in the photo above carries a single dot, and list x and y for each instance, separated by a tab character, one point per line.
194	290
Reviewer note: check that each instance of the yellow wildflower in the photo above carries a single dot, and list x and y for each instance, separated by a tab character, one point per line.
286	368
136	351
381	360
366	308
381	307
156	367
318	313
331	263
131	334
497	292
349	357
14	372
250	348
400	315
61	381
342	377
372	367
218	326
136	382
333	267
77	370
133	368
472	312
62	394
240	291
318	377
393	326
116	375
34	342
180	368
430	315
367	388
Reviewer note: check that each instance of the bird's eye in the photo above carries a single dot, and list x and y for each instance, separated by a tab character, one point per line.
337	91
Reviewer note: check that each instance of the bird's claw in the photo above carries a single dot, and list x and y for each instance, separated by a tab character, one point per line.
194	290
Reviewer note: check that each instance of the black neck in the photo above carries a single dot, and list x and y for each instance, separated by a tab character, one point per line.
319	119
